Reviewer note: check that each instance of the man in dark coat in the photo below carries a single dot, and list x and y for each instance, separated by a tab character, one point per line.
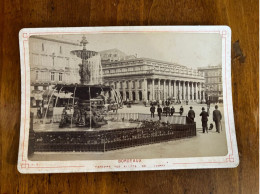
204	119
172	110
152	110
217	118
191	114
181	110
167	111
159	111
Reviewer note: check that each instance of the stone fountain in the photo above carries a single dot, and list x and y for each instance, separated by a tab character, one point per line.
87	109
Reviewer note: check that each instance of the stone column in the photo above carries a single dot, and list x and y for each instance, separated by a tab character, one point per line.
174	89
184	90
123	88
164	89
192	91
200	91
188	90
181	87
130	90
196	90
178	90
203	93
170	88
144	90
136	90
153	89
159	89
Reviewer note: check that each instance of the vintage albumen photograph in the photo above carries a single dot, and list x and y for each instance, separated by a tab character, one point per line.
126	95
126	98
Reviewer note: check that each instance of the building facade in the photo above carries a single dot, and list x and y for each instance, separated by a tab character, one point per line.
142	79
213	82
51	62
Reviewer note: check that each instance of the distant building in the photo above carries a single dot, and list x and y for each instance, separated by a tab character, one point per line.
51	63
213	82
114	55
141	79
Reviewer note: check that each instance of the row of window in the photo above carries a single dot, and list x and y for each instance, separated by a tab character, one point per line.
214	87
213	79
52	75
43	48
213	73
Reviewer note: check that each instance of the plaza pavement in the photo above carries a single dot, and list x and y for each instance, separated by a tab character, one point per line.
202	145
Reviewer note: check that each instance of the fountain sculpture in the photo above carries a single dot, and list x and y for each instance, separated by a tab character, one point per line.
88	108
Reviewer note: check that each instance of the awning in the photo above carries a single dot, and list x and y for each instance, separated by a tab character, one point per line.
37	94
63	95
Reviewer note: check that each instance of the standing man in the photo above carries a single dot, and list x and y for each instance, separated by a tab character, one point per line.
191	114
159	111
217	118
172	110
181	110
152	110
204	119
167	112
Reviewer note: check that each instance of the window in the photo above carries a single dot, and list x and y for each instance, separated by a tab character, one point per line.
37	75
219	79
52	76
60	50
36	87
42	47
60	77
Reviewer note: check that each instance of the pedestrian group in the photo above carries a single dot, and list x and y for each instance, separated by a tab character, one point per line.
191	115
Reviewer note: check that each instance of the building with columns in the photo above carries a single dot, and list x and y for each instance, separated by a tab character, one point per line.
141	79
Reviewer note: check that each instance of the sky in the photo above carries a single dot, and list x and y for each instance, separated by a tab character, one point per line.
189	49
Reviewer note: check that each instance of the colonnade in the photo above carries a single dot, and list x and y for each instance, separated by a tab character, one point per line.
159	89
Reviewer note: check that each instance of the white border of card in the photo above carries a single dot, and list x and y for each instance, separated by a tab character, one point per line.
130	164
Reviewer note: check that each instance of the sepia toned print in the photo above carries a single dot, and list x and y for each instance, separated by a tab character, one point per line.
127	96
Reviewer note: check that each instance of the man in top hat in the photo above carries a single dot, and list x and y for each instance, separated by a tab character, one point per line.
159	111
181	110
204	119
217	118
191	114
152	110
172	110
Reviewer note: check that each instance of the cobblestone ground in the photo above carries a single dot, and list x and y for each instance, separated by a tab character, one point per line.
204	144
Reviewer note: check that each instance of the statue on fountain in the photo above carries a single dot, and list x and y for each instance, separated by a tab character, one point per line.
88	110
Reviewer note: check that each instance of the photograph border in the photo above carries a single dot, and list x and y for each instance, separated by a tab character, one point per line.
129	164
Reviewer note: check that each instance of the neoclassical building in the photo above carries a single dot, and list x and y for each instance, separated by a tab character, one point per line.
141	79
